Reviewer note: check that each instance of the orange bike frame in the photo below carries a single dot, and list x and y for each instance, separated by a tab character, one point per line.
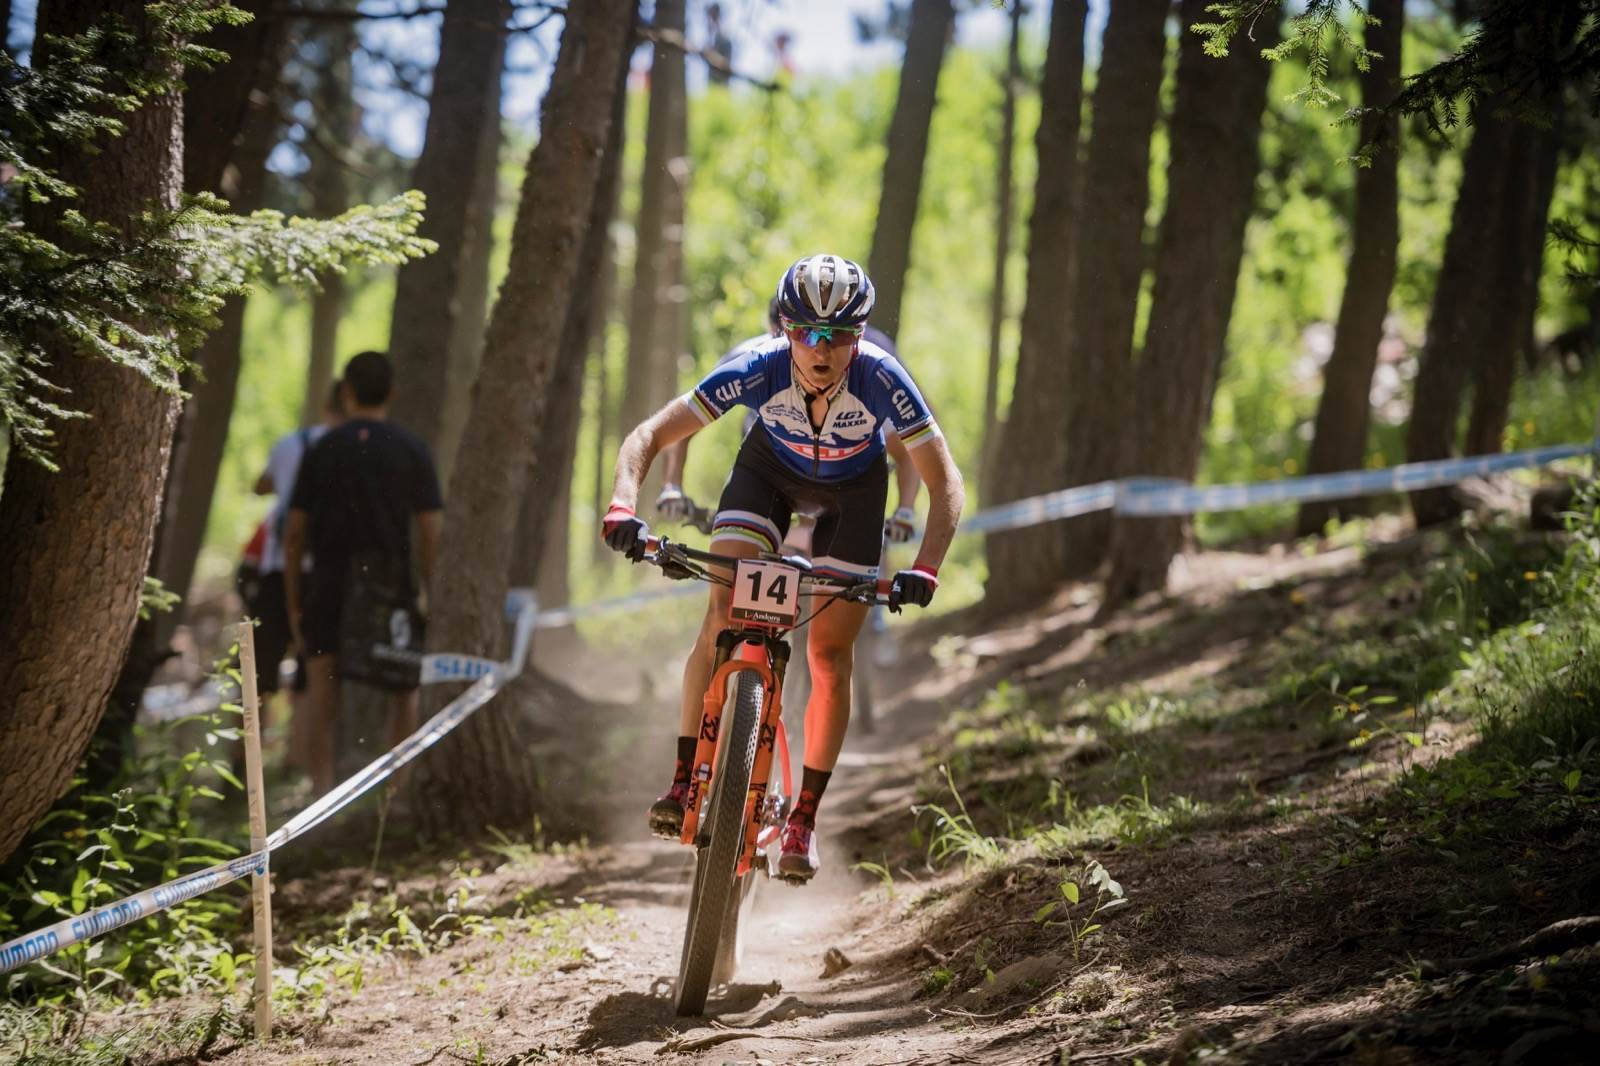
749	654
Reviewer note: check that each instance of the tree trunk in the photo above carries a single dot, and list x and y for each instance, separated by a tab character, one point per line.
481	775
1463	300
74	544
1023	564
230	128
1339	441
5	28
1116	192
428	290
547	500
1525	212
333	105
653	320
931	21
1002	246
472	291
1215	132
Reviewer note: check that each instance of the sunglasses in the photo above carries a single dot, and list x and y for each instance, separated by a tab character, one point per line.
817	333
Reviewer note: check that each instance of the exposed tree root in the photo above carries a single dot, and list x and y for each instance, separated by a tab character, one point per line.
1552	939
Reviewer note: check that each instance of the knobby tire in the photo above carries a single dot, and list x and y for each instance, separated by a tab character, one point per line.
715	887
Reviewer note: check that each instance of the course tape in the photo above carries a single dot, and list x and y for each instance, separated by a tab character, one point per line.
36	945
1130	496
80	927
1153	496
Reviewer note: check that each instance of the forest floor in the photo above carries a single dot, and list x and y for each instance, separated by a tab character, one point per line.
1176	836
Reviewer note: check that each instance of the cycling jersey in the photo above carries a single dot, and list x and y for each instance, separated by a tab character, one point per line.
872	333
875	390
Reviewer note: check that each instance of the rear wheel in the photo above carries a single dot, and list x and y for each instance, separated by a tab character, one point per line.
714	902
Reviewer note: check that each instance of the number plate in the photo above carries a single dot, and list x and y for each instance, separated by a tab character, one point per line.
765	593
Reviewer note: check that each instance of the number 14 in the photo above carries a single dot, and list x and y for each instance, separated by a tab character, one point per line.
777	589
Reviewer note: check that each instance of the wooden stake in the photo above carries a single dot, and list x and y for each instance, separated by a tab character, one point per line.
261	883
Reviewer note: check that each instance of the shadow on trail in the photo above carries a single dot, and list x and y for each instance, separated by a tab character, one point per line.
625	1018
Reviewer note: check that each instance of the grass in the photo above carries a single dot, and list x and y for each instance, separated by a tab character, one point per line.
1415	754
33	1036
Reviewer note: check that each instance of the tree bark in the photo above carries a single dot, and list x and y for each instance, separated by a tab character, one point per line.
1004	209
1024	564
481	775
230	128
547	500
1215	133
1339	440
466	335
74	544
1116	192
1525	212
653	318
931	21
333	104
427	290
1462	303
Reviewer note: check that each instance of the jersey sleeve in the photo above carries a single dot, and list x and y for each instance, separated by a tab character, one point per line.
735	382
906	411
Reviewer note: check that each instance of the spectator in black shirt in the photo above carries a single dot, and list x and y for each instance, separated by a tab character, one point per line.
359	490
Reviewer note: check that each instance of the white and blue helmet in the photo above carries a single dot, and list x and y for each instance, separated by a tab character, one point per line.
826	289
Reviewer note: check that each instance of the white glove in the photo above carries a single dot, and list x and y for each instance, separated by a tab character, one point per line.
900	526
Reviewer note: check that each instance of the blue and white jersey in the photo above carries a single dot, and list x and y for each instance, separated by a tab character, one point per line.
876	390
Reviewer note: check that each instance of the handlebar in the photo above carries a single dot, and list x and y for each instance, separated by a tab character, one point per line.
681	561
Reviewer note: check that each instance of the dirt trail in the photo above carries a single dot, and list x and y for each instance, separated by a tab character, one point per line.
1248	937
475	1002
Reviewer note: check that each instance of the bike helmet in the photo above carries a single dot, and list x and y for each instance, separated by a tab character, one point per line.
826	289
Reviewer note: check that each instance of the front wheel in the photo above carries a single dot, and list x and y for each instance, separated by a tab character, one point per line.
715	897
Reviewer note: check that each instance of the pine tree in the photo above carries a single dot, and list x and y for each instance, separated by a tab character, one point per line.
1025	563
1215	131
931	22
1339	437
480	775
427	292
109	282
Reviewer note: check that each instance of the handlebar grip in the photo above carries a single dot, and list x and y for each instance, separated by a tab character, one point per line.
652	543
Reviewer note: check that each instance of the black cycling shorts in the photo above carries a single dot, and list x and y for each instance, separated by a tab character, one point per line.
762	496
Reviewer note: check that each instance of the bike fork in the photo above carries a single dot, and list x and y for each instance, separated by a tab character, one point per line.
756	806
769	660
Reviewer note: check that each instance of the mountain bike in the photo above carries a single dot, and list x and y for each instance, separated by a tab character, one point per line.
742	813
870	645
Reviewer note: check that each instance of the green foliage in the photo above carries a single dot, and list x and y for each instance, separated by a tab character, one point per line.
538	934
1515	50
1079	917
48	1036
1308	33
141	293
156	598
148	825
955	836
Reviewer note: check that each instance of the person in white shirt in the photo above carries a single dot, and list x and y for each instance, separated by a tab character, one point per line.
273	637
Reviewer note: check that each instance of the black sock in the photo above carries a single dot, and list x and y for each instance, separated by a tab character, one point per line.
686	746
812	784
